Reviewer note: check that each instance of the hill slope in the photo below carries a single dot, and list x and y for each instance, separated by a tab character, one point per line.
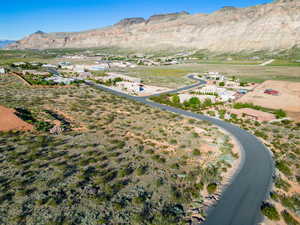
263	27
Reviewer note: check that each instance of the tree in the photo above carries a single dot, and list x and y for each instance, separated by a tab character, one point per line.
176	99
212	188
288	218
207	102
194	102
222	84
270	211
280	113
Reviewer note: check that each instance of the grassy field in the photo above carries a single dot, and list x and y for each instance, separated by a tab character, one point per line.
282	62
119	162
173	76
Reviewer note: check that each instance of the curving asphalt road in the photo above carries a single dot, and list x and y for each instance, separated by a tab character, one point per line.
240	202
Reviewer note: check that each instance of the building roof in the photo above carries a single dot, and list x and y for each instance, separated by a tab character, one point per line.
259	115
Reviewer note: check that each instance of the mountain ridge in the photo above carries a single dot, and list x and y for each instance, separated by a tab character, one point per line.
270	26
4	43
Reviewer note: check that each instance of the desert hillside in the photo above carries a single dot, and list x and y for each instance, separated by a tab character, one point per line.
263	27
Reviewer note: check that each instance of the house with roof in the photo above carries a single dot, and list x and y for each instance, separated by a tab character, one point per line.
85	75
271	92
130	87
186	97
253	114
35	72
224	94
61	80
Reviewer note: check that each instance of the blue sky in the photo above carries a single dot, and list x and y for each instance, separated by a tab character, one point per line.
19	18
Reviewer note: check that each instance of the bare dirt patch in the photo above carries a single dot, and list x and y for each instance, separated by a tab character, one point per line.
288	98
9	121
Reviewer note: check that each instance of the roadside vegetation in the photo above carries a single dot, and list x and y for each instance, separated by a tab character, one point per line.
281	137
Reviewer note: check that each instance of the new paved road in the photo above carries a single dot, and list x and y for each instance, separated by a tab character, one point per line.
240	202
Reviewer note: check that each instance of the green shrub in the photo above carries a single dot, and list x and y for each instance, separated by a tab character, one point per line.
159	182
280	113
270	211
196	152
176	99
125	172
212	188
284	168
141	170
287	217
280	183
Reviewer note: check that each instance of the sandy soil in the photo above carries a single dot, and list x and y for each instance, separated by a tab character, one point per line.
9	121
288	98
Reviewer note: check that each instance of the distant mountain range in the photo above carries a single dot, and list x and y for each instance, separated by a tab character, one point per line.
4	43
273	26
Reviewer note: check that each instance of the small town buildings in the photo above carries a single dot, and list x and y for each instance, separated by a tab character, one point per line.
35	72
74	56
253	114
122	64
83	68
2	70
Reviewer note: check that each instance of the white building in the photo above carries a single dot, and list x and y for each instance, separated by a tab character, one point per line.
70	67
85	75
2	70
64	64
224	95
122	64
60	80
211	89
112	76
97	67
202	98
19	64
215	76
82	68
128	86
49	66
35	72
232	84
79	68
227	96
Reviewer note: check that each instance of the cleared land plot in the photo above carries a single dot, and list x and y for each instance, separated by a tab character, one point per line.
288	98
9	121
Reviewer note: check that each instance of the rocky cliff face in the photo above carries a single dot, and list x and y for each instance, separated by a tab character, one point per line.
263	27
